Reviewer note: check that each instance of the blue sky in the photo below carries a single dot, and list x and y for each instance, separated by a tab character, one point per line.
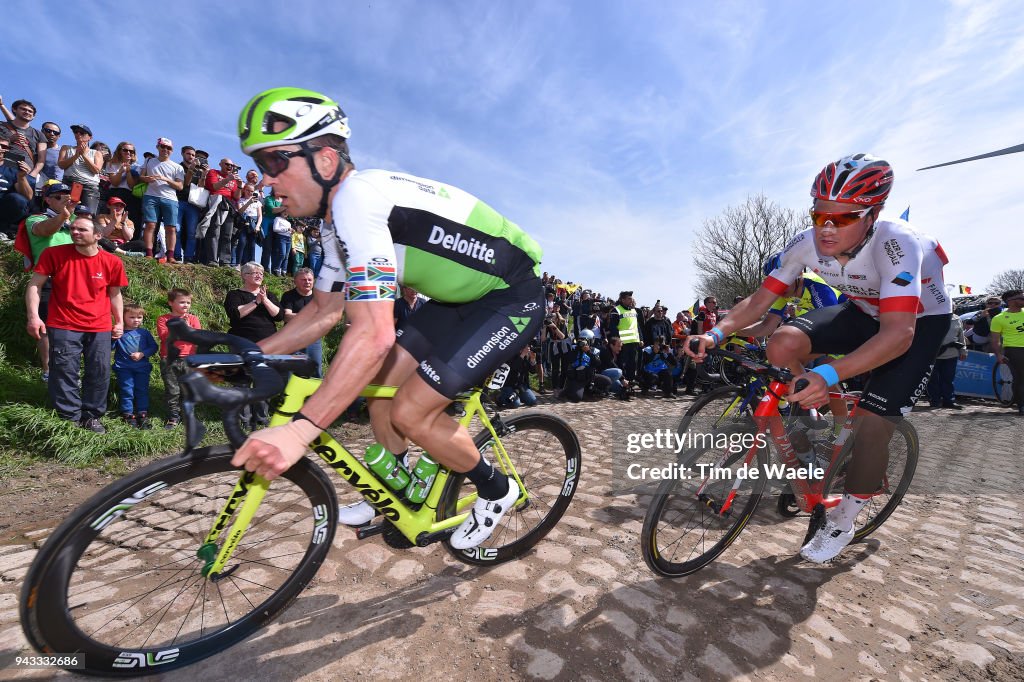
608	130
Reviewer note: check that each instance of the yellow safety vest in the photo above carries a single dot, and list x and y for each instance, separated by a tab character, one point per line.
629	330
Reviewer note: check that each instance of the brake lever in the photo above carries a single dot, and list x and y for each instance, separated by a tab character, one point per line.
195	430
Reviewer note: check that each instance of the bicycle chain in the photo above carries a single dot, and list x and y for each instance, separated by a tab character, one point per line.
393	537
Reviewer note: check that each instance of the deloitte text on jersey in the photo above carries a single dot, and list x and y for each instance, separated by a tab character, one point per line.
457	243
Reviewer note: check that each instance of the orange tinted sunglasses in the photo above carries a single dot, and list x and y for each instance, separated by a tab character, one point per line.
821	218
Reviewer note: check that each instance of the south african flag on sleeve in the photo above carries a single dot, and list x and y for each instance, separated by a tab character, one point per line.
383	291
372	273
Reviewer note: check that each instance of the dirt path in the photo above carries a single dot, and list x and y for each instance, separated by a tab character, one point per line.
938	592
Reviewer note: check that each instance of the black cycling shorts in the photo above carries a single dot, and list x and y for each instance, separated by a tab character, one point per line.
894	388
458	345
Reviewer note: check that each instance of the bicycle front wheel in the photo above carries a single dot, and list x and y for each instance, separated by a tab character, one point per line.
120	581
696	516
904	449
725	405
545	452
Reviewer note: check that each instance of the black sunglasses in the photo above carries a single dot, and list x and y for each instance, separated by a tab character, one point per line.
51	131
276	162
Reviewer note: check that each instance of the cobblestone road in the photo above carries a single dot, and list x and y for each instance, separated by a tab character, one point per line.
938	592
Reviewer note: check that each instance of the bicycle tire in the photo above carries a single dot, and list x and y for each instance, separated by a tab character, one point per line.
141	528
550	488
676	501
874	516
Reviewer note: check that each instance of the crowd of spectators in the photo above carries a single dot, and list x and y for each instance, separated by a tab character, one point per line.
594	345
70	207
173	210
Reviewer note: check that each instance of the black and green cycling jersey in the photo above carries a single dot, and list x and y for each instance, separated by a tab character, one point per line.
390	228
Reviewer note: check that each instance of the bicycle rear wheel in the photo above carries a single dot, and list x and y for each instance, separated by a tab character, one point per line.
904	449
691	521
546	454
120	581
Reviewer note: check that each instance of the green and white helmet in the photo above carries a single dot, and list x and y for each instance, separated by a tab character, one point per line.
307	114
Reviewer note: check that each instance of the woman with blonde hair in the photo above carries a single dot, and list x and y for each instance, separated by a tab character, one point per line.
123	171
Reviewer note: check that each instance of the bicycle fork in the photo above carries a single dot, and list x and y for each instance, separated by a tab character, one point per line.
242	505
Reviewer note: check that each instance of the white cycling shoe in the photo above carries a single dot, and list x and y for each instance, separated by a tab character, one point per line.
483	519
356	514
827	543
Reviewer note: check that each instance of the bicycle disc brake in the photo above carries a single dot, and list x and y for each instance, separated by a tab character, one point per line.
716	507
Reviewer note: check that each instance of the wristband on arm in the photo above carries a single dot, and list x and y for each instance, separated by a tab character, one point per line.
717	334
298	416
828	373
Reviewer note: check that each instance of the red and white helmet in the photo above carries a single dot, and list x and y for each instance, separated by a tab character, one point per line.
857	179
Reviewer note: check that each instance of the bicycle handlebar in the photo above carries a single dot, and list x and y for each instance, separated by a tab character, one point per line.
266	372
751	365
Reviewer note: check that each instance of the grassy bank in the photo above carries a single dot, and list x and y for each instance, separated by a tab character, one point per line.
30	431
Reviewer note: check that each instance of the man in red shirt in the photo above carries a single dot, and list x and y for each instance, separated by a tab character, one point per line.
86	292
707	316
215	229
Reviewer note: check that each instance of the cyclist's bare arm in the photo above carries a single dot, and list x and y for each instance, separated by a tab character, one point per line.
310	324
272	451
360	356
747	312
765	327
895	334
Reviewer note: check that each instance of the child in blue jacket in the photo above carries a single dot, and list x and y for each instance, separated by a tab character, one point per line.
132	367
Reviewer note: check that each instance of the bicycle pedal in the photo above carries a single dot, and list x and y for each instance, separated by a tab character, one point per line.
364	532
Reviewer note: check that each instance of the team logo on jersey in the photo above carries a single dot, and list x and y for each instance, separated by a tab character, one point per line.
500	339
459	244
903	279
893	251
520	323
852	276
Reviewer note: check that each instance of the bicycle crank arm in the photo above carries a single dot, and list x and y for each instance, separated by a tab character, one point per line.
424	539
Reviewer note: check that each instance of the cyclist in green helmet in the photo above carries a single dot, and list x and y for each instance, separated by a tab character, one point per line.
381	229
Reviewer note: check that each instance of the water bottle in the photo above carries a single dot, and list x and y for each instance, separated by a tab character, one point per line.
423	475
387	467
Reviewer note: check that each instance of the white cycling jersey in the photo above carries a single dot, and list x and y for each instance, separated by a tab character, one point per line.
898	270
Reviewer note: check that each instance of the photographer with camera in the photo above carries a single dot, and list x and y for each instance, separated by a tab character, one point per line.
216	229
15	191
581	368
558	344
656	368
517	392
196	163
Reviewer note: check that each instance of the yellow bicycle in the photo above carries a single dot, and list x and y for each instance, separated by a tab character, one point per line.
188	556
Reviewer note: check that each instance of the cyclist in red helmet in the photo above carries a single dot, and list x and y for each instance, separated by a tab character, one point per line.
892	324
